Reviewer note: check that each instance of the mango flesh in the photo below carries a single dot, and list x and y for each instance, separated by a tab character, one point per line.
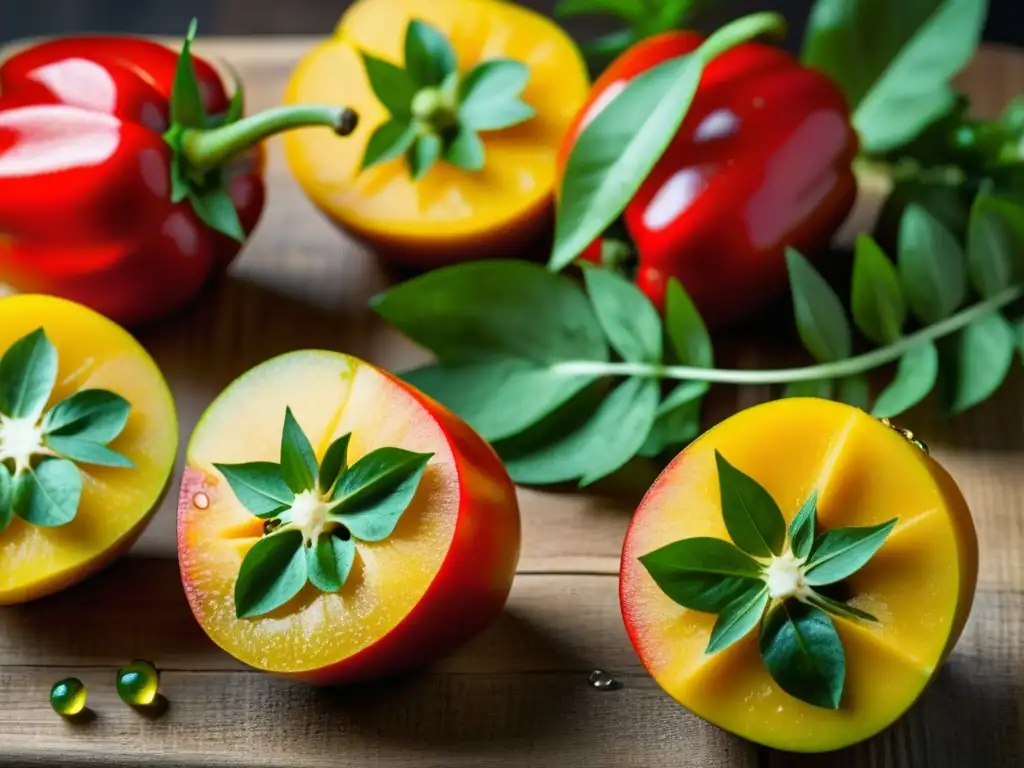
920	584
116	504
449	214
441	576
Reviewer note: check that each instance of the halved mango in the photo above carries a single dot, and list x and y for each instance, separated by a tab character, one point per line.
116	503
440	577
920	584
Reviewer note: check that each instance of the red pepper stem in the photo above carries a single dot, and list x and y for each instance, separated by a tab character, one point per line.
212	147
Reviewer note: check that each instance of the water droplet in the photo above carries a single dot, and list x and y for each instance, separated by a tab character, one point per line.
201	500
137	684
603	681
67	697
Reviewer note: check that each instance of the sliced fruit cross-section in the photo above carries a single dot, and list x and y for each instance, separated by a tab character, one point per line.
919	585
442	573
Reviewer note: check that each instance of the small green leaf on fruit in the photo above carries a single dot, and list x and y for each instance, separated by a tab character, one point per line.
28	373
837	608
931	265
802	528
372	494
216	209
90	414
916	375
738	618
423	154
703	573
389	140
392	85
429	56
751	516
803	653
466	151
298	462
879	307
686	330
629	320
186	105
329	561
48	495
334	464
841	552
489	95
820	317
6	497
85	451
272	573
259	486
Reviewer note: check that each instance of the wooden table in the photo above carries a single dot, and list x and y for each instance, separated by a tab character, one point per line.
518	695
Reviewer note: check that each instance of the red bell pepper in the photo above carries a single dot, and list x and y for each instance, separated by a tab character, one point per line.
762	161
127	176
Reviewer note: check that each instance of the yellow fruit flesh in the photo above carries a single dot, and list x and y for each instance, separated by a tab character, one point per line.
330	395
919	585
447	204
92	353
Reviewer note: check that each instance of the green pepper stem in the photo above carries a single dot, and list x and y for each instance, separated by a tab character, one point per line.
841	368
212	147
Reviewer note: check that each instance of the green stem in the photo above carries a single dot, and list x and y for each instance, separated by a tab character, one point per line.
212	147
840	369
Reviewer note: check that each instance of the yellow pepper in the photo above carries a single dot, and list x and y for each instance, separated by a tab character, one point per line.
438	194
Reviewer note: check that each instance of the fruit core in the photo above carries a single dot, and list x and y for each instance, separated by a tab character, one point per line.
20	439
785	577
309	515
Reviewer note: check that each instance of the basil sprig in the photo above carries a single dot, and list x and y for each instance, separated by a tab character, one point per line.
567	378
772	577
39	481
436	112
315	512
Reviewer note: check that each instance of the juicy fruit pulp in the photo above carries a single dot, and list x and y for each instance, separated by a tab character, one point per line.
441	576
116	503
920	584
449	214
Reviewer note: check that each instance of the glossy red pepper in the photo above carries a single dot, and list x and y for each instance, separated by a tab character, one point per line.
127	176
761	162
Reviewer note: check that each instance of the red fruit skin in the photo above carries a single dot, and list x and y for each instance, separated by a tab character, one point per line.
470	589
761	162
85	206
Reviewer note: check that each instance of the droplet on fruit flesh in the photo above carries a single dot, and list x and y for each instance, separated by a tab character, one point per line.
201	501
603	681
138	683
67	697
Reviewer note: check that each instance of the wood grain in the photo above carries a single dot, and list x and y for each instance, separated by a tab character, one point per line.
518	694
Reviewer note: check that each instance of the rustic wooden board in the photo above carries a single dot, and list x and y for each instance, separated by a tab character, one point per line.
518	695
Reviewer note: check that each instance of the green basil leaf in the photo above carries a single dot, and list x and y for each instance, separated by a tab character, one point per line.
85	451
28	373
613	435
186	107
329	561
466	151
931	265
48	496
298	462
503	114
677	420
821	388
216	209
803	654
893	60
374	492
820	317
802	527
686	330
738	618
259	487
841	552
498	399
429	57
487	91
6	497
989	248
703	573
91	414
916	375
388	141
272	573
496	310
879	308
628	318
976	361
837	608
392	85
423	154
335	462
751	516
854	390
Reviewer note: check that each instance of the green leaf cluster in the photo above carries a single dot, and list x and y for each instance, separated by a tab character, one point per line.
775	578
513	343
436	112
315	513
39	481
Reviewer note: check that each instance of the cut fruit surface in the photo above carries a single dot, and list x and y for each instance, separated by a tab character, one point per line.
442	574
449	213
116	503
919	585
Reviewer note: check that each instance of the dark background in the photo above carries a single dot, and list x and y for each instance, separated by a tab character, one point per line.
20	18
